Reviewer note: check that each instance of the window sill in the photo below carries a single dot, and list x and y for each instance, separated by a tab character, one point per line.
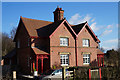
64	65
86	46
63	46
86	64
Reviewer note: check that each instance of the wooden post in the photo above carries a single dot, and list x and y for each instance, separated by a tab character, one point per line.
73	74
14	75
100	72
63	73
89	74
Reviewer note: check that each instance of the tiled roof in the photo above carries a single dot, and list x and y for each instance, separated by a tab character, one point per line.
39	27
78	27
99	51
38	51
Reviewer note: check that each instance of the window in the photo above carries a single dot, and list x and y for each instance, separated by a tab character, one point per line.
18	44
86	58
63	41
85	42
28	42
28	61
64	59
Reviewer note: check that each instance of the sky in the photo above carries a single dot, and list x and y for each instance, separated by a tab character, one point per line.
102	17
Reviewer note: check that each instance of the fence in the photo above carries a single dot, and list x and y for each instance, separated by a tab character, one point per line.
68	74
101	73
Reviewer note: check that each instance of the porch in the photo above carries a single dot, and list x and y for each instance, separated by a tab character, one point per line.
100	58
40	62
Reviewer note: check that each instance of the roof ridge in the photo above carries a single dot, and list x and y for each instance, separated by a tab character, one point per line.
34	19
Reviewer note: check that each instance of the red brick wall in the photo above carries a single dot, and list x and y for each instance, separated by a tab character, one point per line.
24	51
55	47
92	49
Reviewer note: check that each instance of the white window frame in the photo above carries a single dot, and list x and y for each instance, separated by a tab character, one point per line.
86	57
86	42
63	41
64	59
18	44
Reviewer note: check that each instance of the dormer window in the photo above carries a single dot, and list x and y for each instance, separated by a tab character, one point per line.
86	43
63	41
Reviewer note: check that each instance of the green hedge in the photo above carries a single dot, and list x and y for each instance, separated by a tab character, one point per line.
107	73
110	73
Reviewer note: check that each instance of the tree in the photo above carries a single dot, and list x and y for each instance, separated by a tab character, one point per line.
102	49
111	57
13	32
7	42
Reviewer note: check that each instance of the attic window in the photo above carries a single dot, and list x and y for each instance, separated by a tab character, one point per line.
18	44
86	43
64	41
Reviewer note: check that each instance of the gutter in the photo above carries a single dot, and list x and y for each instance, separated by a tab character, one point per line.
76	51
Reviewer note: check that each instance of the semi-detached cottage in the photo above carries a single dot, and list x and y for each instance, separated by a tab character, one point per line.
44	44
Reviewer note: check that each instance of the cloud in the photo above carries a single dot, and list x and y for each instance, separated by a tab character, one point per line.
93	26
109	26
111	41
110	44
105	33
93	20
109	48
77	19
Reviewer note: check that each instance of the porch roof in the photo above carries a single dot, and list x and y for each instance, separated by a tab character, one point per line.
38	51
99	52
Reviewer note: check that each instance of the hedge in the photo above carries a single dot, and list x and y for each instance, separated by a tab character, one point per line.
107	73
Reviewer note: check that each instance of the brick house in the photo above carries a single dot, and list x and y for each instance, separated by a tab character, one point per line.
44	44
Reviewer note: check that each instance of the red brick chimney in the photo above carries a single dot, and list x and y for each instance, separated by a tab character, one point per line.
58	14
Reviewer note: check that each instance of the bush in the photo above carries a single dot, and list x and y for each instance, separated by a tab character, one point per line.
107	73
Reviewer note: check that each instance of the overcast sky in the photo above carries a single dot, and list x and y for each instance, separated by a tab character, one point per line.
101	17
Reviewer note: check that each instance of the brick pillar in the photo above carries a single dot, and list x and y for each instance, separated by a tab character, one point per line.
98	61
103	61
33	65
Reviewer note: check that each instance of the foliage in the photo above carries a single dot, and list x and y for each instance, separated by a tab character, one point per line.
34	69
56	66
7	71
81	73
13	32
102	49
7	42
111	58
107	73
